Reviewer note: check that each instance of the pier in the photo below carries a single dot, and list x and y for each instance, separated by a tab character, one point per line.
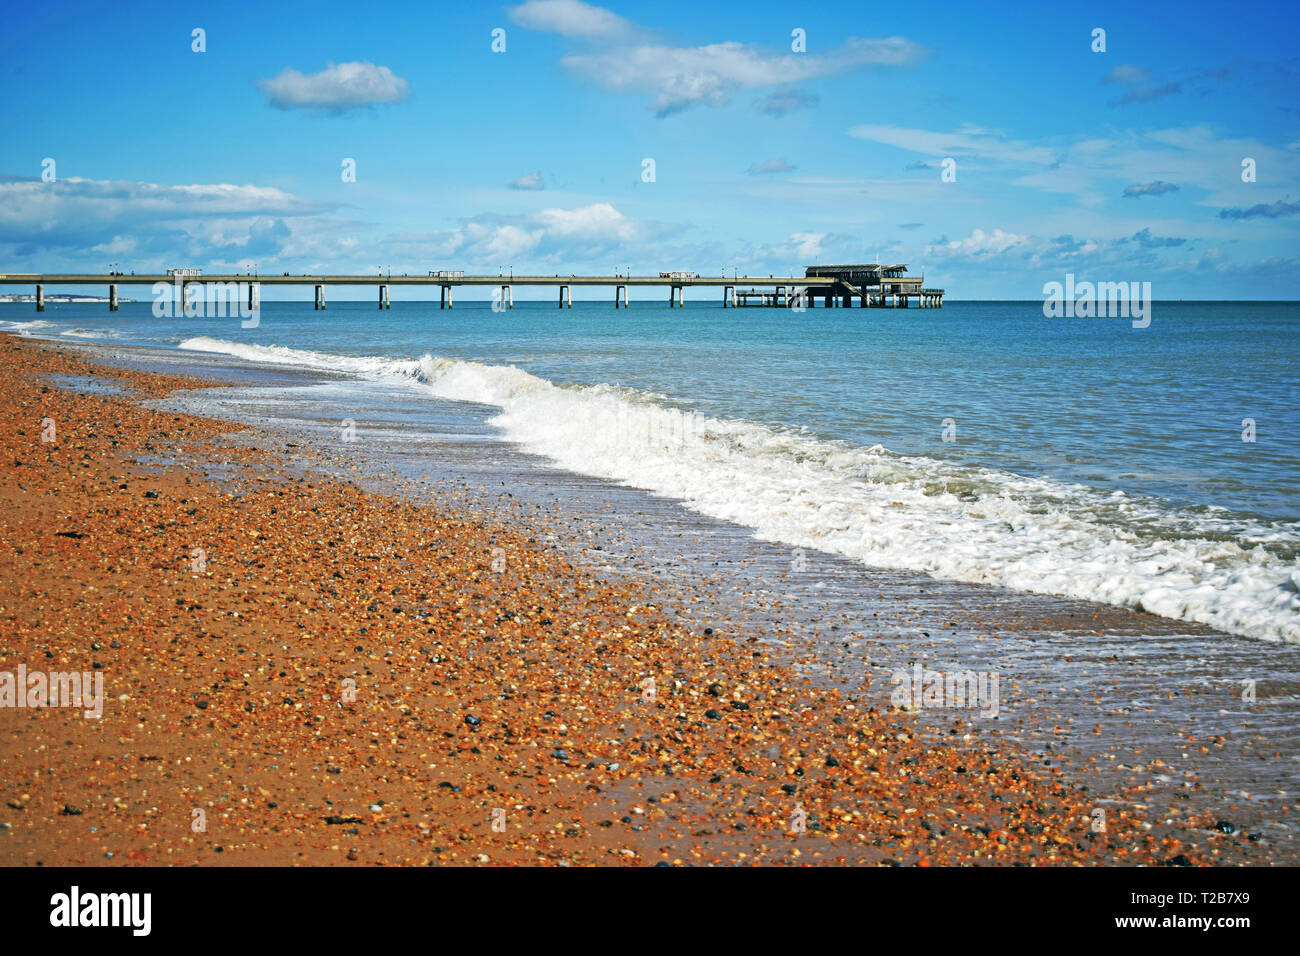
870	286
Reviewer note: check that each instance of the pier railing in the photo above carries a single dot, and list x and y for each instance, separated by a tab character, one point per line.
782	291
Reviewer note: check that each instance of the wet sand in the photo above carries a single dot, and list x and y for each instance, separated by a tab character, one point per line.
504	687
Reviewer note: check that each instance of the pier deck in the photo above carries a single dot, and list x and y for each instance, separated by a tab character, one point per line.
834	285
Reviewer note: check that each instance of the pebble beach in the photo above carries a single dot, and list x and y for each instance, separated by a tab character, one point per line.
301	671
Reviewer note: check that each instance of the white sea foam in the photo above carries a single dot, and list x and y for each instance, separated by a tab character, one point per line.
25	328
91	333
880	508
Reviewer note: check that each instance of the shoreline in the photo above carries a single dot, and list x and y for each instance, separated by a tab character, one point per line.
233	696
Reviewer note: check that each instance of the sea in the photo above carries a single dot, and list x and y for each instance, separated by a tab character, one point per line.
1155	469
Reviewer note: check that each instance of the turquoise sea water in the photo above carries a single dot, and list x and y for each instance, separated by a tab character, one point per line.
1086	457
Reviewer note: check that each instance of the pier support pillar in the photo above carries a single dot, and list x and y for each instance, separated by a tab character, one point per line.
40	298
444	301
320	298
112	298
254	296
566	292
620	294
510	297
383	298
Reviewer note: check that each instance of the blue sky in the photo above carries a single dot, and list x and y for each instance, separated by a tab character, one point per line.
1115	165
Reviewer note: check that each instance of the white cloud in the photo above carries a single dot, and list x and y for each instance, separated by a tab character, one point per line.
770	166
338	87
967	141
681	77
800	249
780	102
77	214
570	18
978	243
1191	156
807	246
1128	75
1138	82
77	223
597	221
531	180
562	236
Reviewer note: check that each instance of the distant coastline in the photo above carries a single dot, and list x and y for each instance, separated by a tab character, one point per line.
15	297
